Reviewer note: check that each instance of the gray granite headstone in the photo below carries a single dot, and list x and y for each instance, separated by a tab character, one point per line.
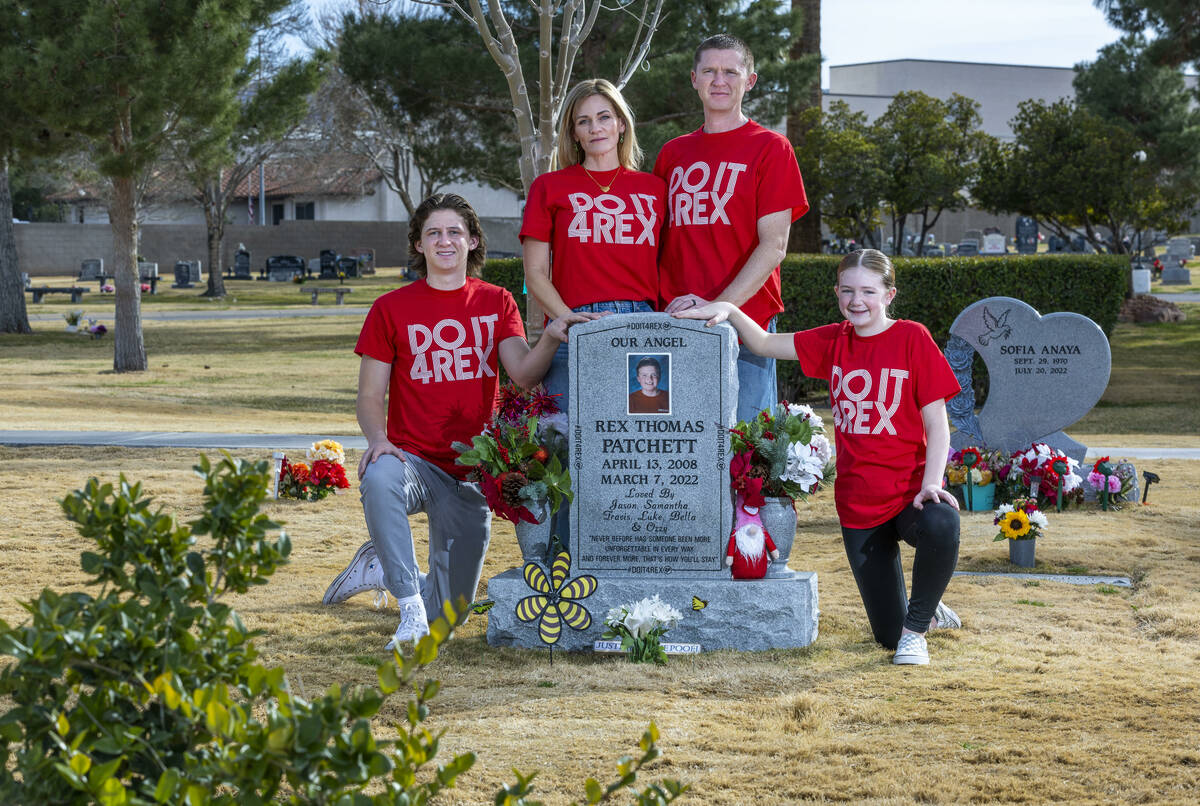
91	269
1044	373
652	511
283	268
1027	235
147	270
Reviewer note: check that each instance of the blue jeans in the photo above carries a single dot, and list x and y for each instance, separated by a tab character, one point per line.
758	388
558	382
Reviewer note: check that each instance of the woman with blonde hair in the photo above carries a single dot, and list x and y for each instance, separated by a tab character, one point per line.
591	228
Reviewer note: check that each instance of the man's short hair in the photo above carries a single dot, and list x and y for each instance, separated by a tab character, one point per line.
649	362
446	201
725	42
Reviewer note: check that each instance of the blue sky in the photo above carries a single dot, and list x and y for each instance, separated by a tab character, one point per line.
1052	33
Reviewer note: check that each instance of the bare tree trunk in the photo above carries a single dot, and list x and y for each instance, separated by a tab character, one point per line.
129	351
13	316
214	220
805	235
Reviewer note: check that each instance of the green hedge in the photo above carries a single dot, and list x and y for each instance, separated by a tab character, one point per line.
933	291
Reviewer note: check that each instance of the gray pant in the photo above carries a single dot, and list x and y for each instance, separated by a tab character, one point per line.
459	529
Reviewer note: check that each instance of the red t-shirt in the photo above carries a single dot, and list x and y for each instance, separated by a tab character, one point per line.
442	346
604	245
719	185
877	386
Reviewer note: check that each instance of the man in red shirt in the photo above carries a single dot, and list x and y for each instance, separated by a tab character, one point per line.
734	189
428	377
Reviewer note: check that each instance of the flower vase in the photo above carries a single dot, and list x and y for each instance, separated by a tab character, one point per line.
534	538
72	328
982	497
1020	552
779	519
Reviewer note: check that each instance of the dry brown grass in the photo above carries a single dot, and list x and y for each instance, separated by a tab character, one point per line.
1051	692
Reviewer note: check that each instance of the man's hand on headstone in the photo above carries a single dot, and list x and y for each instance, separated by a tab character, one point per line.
714	312
685	302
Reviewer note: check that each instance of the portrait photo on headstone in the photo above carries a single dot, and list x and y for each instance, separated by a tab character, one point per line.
649	383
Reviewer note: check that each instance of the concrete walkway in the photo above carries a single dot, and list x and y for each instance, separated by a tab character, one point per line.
241	313
203	439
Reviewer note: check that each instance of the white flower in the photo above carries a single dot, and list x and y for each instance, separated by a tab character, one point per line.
820	448
643	617
326	449
803	466
1002	509
1038	519
806	412
1070	482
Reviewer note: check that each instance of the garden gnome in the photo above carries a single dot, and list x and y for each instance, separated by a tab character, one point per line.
749	545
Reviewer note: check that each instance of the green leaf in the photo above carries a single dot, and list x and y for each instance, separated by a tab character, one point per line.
594	790
168	782
389	680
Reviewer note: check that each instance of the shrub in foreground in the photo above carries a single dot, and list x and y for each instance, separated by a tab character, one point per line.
147	691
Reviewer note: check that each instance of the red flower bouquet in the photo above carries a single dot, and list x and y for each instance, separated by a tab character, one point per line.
520	458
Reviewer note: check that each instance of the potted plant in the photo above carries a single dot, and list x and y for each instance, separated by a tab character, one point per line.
520	463
970	475
73	319
1021	523
778	457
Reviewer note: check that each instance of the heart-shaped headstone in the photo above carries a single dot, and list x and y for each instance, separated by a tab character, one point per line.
1044	373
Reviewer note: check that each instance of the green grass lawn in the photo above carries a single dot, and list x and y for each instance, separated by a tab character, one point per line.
1155	381
239	294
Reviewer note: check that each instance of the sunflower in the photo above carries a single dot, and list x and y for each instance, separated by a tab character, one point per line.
1015	524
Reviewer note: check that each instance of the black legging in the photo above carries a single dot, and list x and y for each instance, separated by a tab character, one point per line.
874	556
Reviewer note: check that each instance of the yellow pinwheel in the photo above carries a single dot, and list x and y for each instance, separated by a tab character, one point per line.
555	600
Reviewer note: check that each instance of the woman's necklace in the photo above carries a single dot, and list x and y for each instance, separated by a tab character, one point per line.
603	188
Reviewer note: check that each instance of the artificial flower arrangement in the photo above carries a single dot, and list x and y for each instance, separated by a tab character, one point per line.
1110	481
780	453
520	458
1020	520
73	318
641	626
322	473
1055	469
980	462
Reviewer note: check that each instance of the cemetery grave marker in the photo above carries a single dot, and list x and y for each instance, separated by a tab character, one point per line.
241	266
1175	270
1044	373
91	269
652	511
284	268
1027	235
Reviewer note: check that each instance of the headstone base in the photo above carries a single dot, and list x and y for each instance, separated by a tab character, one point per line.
747	615
1176	276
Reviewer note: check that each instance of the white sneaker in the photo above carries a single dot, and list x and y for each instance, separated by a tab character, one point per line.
912	650
413	624
362	574
946	618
